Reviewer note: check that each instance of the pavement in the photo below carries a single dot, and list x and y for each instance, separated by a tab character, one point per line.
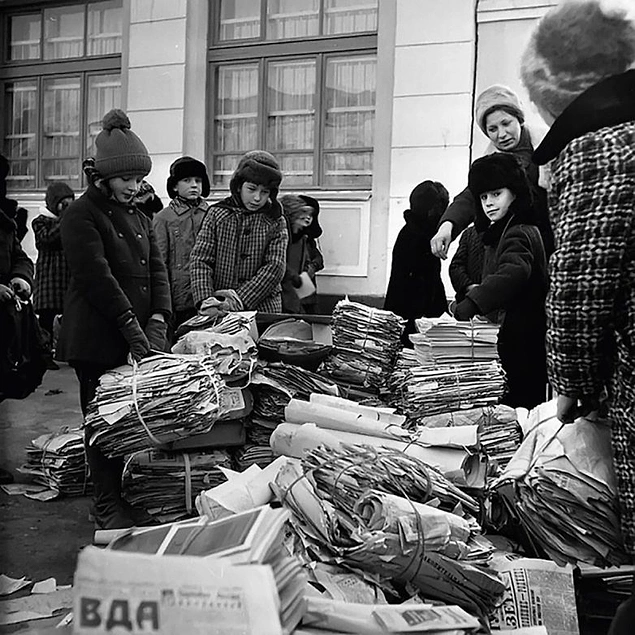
40	539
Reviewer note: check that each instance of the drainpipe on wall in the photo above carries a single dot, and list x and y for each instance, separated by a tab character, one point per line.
474	67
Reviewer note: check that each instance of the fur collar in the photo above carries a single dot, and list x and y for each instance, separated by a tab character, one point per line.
607	103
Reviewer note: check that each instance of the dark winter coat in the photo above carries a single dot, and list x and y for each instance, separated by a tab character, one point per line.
466	267
591	302
515	281
461	211
115	267
415	288
14	263
297	259
51	273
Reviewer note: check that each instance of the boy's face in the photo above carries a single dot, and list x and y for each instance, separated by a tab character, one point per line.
496	203
124	188
254	196
189	188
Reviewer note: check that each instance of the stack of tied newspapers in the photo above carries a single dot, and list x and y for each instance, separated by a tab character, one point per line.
365	345
445	340
253	537
161	399
166	484
56	460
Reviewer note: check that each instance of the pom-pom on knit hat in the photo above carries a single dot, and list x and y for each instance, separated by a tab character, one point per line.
184	167
576	45
260	167
497	97
56	192
119	151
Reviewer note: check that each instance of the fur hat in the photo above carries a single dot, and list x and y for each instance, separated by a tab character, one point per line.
493	172
260	167
314	230
497	97
294	205
184	167
429	198
56	192
576	45
119	151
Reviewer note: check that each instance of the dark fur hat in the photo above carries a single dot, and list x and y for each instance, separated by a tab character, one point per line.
56	192
260	167
496	171
314	230
184	167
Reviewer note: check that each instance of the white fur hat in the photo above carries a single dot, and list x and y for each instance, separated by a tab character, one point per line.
576	45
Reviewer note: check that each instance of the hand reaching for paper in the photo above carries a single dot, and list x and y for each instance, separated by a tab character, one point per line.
230	300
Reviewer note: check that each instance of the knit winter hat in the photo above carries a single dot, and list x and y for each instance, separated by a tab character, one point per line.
55	192
119	151
260	167
576	45
497	97
184	167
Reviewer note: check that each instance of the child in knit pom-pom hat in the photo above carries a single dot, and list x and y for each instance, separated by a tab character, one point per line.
177	226
118	298
579	69
238	261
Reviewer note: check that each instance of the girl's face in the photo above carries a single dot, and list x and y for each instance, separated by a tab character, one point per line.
301	221
254	196
190	188
503	130
124	188
496	203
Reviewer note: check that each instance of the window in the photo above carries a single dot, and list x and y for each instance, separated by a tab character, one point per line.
61	74
296	77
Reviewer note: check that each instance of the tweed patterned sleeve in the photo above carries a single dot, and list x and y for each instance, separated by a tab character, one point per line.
203	259
270	273
593	217
47	232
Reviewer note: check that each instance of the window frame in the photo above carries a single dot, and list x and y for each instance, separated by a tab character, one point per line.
261	52
42	69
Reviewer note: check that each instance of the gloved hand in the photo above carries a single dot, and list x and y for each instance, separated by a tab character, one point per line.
6	293
156	331
465	310
21	287
136	338
230	300
296	281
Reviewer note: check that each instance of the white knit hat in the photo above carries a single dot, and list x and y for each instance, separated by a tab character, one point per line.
576	45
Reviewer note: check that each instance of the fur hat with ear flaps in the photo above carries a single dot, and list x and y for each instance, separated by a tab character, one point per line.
260	167
576	45
119	151
494	172
184	167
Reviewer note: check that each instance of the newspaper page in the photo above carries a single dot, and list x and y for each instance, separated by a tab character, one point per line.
136	593
539	593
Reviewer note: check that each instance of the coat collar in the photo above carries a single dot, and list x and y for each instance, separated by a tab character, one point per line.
607	103
103	202
181	206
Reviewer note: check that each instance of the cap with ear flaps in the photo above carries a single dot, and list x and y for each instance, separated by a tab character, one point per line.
574	46
186	166
260	167
120	152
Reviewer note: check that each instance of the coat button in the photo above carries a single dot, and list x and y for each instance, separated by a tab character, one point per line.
144	288
244	256
130	211
109	213
143	261
139	236
120	234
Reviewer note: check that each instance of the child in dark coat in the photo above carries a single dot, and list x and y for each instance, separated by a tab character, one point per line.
118	299
514	274
415	288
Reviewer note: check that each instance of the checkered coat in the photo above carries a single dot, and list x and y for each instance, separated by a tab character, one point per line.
591	303
241	250
52	274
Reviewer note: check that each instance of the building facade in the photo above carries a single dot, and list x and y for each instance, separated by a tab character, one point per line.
359	100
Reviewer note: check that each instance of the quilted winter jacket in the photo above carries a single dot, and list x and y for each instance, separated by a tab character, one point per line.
591	302
115	266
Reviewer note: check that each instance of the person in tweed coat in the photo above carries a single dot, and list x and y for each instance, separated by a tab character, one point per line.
239	257
590	104
51	271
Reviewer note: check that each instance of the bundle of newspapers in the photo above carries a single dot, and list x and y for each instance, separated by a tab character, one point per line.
161	399
394	539
365	345
499	430
560	487
252	537
57	461
166	484
445	340
435	389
